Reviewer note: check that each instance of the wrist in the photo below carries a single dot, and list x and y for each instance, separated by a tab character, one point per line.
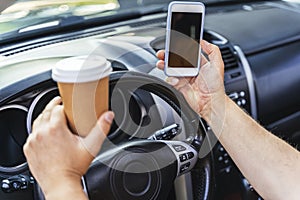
65	188
214	107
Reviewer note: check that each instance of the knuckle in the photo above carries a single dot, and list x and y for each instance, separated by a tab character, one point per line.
53	127
28	145
58	111
26	148
36	121
38	137
34	124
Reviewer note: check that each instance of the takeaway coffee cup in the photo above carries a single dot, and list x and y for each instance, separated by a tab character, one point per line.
83	85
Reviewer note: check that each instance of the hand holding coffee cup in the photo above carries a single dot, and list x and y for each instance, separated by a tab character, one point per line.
83	84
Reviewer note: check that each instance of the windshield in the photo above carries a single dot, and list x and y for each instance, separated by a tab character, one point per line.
34	16
24	13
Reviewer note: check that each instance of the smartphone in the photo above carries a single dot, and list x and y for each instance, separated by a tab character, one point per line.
183	35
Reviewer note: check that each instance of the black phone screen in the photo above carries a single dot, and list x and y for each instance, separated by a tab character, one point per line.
184	39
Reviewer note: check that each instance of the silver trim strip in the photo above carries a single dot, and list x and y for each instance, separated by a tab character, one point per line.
33	105
39	26
14	106
222	39
14	169
249	76
84	186
183	187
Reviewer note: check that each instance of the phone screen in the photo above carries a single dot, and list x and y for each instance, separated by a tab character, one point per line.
184	39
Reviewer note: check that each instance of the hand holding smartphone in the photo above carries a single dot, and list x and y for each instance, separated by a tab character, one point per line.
183	36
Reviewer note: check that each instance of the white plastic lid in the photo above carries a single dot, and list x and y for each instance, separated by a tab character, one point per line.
81	69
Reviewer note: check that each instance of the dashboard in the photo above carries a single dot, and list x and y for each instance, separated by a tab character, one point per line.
260	47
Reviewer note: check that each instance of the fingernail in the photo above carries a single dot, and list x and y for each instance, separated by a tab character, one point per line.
172	81
158	64
109	117
57	98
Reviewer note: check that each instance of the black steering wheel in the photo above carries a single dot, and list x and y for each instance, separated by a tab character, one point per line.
135	167
143	168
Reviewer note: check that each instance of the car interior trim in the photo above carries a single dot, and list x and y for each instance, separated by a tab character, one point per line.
17	106
22	166
84	186
187	161
39	26
222	40
250	82
13	170
281	6
182	184
183	187
33	106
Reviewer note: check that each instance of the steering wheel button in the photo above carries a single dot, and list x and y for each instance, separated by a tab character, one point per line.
239	103
184	167
183	157
24	185
243	102
227	170
242	93
221	149
179	148
5	186
220	158
16	185
190	155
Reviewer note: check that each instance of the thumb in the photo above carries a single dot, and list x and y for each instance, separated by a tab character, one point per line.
93	141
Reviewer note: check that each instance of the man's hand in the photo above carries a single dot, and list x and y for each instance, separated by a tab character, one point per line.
208	87
56	157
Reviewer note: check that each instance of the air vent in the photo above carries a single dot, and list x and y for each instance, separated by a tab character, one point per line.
118	66
229	58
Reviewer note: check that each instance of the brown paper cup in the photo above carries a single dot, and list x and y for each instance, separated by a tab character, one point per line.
84	87
84	103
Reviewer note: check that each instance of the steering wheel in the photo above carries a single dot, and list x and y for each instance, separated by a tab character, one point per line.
143	168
